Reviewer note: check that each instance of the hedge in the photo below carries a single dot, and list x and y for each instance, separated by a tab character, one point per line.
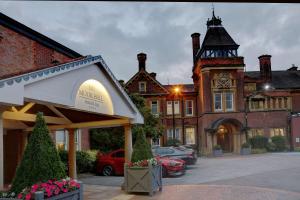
258	142
280	142
85	160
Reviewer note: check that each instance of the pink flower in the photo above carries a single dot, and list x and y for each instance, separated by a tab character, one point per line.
28	196
20	196
65	190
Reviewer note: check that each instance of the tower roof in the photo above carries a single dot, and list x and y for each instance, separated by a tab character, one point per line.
216	35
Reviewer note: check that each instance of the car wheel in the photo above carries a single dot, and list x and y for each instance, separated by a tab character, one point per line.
107	170
164	172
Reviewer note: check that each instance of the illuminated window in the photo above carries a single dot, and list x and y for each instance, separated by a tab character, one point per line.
62	139
255	131
189	108
176	107
142	86
190	135
218	101
276	131
170	108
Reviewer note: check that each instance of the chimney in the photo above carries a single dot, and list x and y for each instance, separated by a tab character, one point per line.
142	57
196	45
153	75
265	67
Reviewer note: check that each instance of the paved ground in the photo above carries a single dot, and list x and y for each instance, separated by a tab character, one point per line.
265	176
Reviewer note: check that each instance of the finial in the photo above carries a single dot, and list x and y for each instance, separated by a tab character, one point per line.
213	9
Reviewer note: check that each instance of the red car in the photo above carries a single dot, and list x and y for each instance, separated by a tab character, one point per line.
113	164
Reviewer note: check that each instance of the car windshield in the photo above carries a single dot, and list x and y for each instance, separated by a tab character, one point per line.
164	151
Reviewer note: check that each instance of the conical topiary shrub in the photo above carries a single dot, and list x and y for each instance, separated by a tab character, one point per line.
40	161
141	148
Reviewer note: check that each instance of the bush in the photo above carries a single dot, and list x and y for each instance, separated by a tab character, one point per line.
141	148
280	142
258	151
258	142
85	160
297	149
271	147
217	147
246	145
173	142
40	161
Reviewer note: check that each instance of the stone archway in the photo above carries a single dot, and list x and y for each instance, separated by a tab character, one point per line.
228	133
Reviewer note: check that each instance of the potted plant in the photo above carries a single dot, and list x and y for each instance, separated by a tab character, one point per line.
246	149
217	150
144	173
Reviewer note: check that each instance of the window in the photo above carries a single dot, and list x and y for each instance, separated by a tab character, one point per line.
142	86
190	135
218	101
276	131
229	100
189	108
169	107
177	134
119	154
155	142
62	138
176	107
255	131
154	107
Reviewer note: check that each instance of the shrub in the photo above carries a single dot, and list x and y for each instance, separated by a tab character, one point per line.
173	142
217	147
246	145
141	148
280	142
258	151
40	161
258	142
297	149
271	147
85	160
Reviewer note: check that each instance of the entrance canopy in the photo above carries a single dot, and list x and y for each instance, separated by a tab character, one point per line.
79	94
65	91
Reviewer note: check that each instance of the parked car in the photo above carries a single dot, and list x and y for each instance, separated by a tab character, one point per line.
188	155
113	164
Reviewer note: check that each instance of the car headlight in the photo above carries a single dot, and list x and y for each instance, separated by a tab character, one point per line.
173	163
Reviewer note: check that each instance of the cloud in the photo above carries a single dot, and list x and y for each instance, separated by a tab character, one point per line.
118	31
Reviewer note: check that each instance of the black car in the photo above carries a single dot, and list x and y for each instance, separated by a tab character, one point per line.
189	156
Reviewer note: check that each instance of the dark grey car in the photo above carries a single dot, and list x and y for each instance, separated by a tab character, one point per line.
189	157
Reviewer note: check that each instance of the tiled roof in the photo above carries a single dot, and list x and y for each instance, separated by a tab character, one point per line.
184	88
280	79
217	36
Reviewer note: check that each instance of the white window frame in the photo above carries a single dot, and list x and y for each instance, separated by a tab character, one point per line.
157	108
66	139
169	108
194	132
275	131
178	134
142	89
232	99
215	94
186	108
176	107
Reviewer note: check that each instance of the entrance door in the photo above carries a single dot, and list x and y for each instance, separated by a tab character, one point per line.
225	139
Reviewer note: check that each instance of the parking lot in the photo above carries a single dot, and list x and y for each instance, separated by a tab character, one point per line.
272	172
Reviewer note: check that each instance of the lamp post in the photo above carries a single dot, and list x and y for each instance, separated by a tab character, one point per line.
176	91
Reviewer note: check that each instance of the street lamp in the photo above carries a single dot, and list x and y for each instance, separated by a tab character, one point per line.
176	91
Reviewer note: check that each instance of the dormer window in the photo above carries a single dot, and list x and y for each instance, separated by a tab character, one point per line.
142	86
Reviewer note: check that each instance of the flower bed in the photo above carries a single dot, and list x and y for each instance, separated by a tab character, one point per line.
53	190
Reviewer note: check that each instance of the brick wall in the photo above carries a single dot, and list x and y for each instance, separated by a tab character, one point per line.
19	54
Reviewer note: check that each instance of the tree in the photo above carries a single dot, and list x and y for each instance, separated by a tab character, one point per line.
141	148
40	161
152	126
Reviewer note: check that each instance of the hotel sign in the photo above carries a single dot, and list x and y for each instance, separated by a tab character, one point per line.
92	96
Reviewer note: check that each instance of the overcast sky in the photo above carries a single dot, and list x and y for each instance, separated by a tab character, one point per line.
118	31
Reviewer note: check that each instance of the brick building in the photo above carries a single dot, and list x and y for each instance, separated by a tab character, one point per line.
225	104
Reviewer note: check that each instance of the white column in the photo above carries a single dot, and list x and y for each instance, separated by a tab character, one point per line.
128	143
1	152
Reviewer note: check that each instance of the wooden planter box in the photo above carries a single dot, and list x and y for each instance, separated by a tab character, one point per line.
143	179
74	195
245	151
218	152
